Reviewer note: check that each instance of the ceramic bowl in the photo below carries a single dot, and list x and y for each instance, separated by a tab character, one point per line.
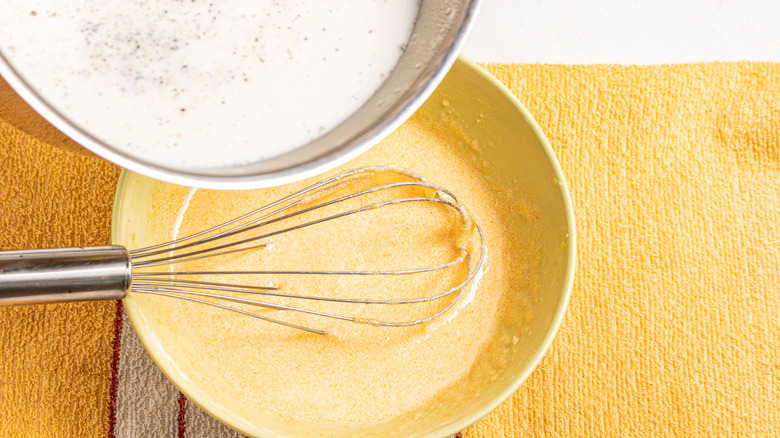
522	158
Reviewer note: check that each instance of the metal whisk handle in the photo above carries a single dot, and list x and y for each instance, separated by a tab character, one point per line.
64	274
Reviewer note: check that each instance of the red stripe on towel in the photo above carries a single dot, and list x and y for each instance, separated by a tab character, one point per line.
114	371
182	420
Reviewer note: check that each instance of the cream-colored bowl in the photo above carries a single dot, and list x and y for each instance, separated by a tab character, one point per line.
516	150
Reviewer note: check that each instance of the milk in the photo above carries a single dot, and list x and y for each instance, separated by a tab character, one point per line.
205	84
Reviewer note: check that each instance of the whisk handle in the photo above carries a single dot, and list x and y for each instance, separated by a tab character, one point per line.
64	274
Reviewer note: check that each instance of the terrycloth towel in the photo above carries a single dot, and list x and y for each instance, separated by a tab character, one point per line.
674	322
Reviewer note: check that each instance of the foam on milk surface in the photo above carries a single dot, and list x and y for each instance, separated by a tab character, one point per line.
206	84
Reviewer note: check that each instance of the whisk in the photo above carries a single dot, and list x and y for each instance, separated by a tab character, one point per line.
111	272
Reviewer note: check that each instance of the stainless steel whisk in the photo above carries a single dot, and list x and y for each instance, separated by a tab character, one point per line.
111	272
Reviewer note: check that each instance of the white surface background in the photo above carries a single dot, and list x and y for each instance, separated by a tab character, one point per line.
627	31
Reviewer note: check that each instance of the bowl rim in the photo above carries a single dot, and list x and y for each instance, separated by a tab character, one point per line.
450	429
570	253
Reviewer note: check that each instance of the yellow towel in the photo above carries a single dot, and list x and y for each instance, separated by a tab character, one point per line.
674	322
54	359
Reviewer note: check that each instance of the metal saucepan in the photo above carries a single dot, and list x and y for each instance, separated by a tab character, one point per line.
436	38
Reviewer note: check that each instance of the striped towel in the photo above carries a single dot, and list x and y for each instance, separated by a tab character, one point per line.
143	402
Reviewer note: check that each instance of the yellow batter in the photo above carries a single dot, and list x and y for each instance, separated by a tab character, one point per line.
360	375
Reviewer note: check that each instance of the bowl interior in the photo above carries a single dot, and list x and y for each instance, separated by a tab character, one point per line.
514	148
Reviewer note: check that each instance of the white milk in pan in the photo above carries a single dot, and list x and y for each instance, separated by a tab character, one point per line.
206	83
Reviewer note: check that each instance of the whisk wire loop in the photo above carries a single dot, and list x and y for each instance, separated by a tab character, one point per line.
194	247
254	223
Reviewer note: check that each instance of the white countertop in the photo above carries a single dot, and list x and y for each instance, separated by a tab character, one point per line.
625	31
